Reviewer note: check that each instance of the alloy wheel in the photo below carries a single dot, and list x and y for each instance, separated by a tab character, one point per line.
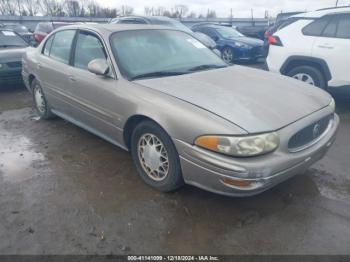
227	55
305	78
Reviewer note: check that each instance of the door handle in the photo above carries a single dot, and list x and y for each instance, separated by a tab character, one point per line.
72	78
326	46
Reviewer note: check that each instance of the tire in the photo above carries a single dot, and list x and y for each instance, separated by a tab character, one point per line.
147	160
228	55
40	102
304	72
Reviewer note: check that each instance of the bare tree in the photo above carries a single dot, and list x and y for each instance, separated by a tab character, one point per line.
211	14
8	7
30	7
180	10
192	15
126	10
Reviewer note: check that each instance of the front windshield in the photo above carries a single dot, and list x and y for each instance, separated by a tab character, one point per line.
159	52
227	32
10	38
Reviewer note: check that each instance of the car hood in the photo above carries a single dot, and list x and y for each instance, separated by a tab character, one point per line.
248	40
255	100
12	54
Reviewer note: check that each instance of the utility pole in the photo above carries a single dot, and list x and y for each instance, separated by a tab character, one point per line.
231	17
336	3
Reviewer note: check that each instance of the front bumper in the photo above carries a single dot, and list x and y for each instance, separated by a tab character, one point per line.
250	53
11	77
211	171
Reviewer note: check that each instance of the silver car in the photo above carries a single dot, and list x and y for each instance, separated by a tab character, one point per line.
184	114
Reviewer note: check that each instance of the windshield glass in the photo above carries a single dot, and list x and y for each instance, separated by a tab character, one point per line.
161	53
10	38
227	32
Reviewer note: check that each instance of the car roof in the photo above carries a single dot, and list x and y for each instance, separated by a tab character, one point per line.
146	18
107	29
323	12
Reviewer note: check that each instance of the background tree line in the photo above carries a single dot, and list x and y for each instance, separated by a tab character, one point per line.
74	8
89	8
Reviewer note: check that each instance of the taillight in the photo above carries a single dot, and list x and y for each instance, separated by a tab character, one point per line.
274	40
266	35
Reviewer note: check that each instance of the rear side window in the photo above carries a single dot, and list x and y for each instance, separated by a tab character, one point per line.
331	28
61	46
344	27
88	48
316	28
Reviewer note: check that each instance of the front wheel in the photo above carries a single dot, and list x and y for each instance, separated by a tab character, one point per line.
227	55
155	157
309	75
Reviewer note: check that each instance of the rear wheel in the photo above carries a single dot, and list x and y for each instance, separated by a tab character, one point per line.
309	75
155	157
40	102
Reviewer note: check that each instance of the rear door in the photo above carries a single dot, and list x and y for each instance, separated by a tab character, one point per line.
53	69
333	46
96	100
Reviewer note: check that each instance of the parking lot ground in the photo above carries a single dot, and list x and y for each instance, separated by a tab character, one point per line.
66	191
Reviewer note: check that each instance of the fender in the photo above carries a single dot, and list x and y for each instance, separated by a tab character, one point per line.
309	60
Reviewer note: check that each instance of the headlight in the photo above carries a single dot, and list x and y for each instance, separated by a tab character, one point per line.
332	104
2	66
240	146
238	44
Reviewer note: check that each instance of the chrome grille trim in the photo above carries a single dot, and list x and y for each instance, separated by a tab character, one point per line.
314	141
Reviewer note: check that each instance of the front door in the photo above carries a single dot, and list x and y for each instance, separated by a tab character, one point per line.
96	101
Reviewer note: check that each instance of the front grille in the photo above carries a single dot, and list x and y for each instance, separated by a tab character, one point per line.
14	64
309	134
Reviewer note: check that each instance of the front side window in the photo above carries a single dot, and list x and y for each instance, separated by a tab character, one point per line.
88	48
160	53
344	26
48	44
61	46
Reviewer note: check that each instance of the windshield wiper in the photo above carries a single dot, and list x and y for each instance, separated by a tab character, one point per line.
205	67
159	74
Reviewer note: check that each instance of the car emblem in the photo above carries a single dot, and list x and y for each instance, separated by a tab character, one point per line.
316	131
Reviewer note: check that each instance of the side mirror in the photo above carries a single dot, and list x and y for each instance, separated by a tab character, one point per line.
98	67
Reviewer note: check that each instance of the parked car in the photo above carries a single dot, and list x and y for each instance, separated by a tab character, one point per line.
182	112
256	31
282	19
233	45
314	49
42	29
21	30
164	21
12	47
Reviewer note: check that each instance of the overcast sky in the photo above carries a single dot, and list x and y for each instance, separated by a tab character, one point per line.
241	8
